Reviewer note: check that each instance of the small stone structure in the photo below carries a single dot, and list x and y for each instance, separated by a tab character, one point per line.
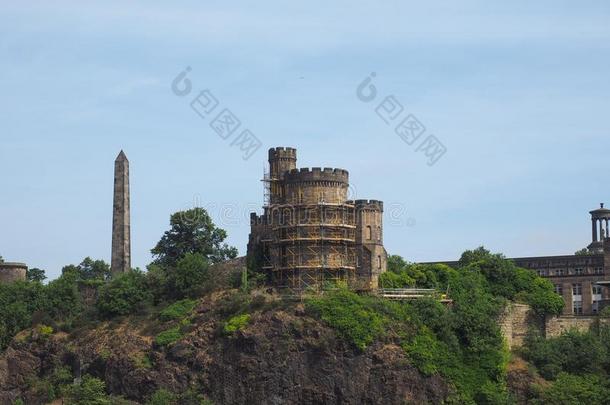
556	325
121	225
11	272
515	322
310	233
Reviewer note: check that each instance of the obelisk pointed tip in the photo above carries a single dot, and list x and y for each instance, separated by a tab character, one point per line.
122	157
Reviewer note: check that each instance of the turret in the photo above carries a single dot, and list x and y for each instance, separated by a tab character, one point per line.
281	160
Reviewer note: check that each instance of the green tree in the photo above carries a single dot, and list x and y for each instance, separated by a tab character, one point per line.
90	269
192	231
91	391
123	295
36	274
64	302
583	252
190	274
396	263
572	389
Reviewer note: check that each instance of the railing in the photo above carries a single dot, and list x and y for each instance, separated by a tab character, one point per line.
411	294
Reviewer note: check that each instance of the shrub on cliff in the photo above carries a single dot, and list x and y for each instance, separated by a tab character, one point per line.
572	352
91	391
178	310
571	389
124	295
462	343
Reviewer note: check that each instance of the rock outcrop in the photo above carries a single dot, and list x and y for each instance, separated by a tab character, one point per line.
282	356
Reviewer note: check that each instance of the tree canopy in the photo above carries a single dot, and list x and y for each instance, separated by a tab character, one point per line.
192	231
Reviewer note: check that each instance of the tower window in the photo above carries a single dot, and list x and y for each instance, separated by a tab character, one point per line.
379	262
369	232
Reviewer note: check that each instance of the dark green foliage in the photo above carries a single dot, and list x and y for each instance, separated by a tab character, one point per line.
573	352
64	299
178	310
190	274
18	302
89	269
123	295
35	274
163	397
583	252
91	391
571	389
461	343
192	231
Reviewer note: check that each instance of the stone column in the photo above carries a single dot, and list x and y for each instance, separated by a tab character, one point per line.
594	229
567	298
587	298
121	233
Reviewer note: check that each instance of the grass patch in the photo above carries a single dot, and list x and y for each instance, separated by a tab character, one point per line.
169	336
178	310
236	323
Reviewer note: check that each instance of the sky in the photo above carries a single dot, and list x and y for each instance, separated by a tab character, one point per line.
517	93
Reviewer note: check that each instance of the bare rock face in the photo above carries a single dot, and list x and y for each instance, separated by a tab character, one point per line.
283	356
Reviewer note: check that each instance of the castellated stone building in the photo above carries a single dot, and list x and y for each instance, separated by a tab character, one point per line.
310	233
11	272
583	280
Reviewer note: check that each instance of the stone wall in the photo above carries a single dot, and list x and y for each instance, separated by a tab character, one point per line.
515	322
556	325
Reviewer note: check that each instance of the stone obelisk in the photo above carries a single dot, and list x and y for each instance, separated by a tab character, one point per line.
121	236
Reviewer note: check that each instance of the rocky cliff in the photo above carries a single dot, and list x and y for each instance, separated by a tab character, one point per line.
282	355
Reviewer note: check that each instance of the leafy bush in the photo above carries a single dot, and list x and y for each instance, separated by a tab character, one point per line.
571	389
572	352
91	391
124	295
169	336
178	310
163	397
351	314
236	323
462	343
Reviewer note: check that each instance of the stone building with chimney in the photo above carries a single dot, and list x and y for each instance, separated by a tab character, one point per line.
583	279
310	233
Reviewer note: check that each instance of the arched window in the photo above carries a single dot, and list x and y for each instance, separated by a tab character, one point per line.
379	262
369	232
379	233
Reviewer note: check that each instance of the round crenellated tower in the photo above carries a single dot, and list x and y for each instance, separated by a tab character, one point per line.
281	160
372	256
369	219
314	229
316	185
11	272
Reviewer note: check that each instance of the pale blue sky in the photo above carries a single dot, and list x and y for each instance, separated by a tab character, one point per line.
517	92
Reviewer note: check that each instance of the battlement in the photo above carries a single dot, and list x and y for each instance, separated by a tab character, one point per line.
317	174
282	153
368	204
